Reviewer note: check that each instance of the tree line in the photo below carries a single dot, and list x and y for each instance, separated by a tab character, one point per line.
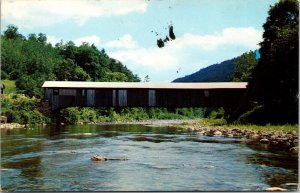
31	61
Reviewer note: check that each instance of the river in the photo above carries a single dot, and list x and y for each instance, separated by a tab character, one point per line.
159	159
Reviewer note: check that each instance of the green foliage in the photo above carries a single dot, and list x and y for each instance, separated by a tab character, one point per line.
21	109
86	62
265	128
70	115
275	78
256	114
12	32
26	84
216	117
116	77
29	62
217	114
32	61
74	115
10	86
69	71
244	66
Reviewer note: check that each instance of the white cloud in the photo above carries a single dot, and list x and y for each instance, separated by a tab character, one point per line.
247	37
189	53
53	39
93	39
27	13
125	41
151	58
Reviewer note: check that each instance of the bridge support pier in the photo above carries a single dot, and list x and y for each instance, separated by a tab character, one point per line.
56	118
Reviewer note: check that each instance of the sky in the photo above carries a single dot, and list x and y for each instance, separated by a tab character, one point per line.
207	31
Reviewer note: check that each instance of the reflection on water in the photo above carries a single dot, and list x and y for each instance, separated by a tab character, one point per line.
160	159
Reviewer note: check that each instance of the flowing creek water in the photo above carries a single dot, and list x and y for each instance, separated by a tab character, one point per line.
159	159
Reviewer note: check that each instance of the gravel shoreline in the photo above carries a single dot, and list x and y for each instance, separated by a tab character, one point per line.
287	141
162	122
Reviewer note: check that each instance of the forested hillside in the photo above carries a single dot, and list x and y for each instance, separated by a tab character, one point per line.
221	72
30	61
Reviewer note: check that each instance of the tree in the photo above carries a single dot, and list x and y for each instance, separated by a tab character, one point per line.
42	38
147	78
30	86
274	87
69	71
32	37
12	32
244	66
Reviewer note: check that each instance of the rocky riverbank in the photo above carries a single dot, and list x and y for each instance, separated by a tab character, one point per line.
272	139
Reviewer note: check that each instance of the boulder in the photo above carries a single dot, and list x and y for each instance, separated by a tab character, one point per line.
254	136
218	133
201	133
294	149
286	144
274	142
264	141
230	135
282	139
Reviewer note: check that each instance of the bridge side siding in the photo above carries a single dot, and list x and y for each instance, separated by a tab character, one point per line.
90	94
62	98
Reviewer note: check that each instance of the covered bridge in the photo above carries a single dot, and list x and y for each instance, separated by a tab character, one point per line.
62	94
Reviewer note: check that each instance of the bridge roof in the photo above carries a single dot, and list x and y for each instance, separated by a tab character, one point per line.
128	85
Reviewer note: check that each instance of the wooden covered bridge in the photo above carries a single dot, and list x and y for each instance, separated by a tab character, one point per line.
62	94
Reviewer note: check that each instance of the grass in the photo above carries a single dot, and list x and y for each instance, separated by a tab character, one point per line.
284	128
268	127
10	86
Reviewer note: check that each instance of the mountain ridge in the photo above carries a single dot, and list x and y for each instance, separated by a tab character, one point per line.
220	72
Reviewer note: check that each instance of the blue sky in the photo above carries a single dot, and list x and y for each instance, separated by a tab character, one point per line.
207	31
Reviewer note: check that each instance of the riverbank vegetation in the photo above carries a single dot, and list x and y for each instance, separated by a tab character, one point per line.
75	115
267	127
19	108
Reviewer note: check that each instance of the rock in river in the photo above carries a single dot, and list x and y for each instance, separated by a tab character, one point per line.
102	158
276	189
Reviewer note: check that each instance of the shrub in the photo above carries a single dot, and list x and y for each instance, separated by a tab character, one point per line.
21	109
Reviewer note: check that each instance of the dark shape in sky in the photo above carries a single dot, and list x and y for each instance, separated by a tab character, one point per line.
166	39
160	43
171	33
